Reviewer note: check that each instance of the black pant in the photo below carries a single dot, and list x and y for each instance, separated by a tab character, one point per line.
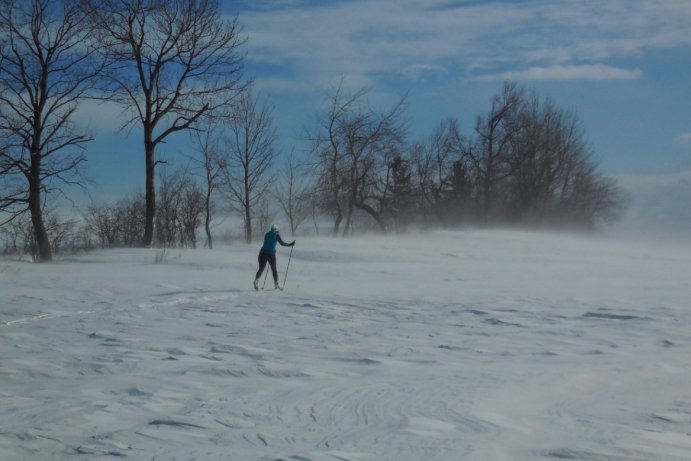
265	257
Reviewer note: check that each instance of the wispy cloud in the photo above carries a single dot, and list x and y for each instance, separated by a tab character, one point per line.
100	118
683	138
371	39
582	72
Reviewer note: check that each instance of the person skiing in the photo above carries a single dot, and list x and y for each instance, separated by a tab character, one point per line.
268	254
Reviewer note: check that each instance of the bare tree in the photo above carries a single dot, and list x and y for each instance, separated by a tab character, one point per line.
545	139
11	238
116	225
401	203
46	67
100	221
18	236
440	163
551	177
181	206
293	193
59	231
250	152
495	131
130	219
192	208
329	152
587	198
264	213
354	148
211	164
173	62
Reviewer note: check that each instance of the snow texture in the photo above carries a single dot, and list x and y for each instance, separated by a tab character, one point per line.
471	345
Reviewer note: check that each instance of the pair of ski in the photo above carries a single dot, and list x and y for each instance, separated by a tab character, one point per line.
269	289
256	287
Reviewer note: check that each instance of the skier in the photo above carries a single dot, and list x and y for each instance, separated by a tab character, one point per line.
268	254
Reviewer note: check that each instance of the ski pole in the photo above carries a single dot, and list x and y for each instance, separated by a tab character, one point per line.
286	274
265	276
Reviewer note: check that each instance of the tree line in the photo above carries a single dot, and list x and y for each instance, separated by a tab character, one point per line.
168	64
176	66
525	163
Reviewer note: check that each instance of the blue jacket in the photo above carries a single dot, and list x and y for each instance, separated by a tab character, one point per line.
270	239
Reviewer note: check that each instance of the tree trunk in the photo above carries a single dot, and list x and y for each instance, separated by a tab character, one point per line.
349	217
337	222
248	225
374	214
40	233
149	152
248	209
207	219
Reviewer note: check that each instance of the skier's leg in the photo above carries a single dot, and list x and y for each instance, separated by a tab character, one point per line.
274	272
262	264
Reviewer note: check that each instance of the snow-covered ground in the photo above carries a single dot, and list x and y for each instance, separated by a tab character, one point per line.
468	345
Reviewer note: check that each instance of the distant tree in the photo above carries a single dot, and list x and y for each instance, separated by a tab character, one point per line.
47	66
437	163
353	147
546	140
82	240
10	239
552	177
526	163
329	153
495	133
60	232
293	193
173	62
373	139
18	235
401	202
265	215
116	225
130	219
249	152
24	233
192	209
170	195
458	195
211	164
101	222
587	198
181	207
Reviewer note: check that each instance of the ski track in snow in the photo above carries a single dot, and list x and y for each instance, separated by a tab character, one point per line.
374	352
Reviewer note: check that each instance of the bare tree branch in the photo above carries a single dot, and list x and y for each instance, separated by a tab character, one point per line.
46	67
174	62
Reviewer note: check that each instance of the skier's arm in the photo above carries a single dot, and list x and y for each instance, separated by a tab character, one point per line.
280	240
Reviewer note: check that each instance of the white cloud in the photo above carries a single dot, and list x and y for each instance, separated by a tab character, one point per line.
102	118
684	138
374	38
582	72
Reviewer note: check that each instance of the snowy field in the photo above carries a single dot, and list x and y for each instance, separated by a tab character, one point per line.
471	345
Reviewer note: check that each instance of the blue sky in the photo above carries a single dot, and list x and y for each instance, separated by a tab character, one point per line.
623	65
